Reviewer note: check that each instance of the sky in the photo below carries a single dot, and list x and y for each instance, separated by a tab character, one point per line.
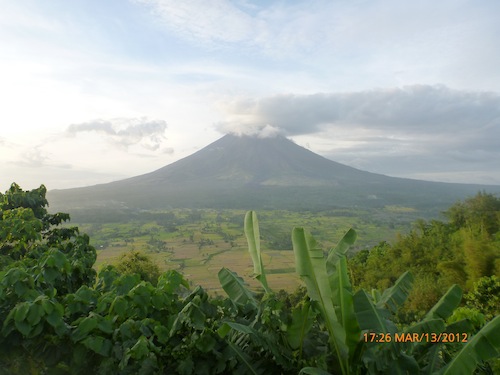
95	91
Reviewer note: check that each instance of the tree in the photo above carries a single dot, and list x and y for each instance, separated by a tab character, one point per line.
41	263
480	214
485	296
135	262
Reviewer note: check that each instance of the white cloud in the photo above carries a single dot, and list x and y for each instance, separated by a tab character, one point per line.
143	132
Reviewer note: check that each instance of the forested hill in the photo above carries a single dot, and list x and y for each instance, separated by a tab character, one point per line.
462	250
252	173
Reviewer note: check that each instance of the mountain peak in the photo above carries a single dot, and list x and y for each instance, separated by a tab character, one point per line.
249	159
245	171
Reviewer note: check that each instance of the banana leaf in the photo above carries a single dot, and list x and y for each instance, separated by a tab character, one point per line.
396	295
482	346
313	371
311	267
247	365
342	298
340	250
446	305
302	321
370	316
235	288
252	234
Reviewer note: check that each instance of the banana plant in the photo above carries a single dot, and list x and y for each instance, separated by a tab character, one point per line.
312	268
252	234
348	317
234	285
483	346
346	314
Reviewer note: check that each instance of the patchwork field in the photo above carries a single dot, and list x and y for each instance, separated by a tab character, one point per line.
198	243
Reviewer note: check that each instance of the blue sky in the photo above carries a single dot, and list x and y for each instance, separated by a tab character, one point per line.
95	91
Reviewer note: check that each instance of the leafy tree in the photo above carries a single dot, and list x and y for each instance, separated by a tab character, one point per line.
135	262
485	296
480	214
42	262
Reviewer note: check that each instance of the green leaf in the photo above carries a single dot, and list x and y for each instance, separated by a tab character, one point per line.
162	333
313	371
245	360
446	305
105	325
20	288
98	344
85	326
35	314
196	317
21	311
483	346
140	349
47	306
342	297
85	294
311	267
235	288
396	295
119	306
171	281
227	326
205	343
302	321
427	326
340	249
54	318
23	326
371	317
186	366
252	234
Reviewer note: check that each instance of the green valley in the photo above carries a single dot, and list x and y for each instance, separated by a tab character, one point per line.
198	242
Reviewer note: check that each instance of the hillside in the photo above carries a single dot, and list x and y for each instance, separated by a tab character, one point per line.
251	173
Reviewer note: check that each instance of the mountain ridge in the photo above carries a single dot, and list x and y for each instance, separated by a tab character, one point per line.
251	173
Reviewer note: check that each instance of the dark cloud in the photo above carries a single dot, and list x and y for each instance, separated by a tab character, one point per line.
412	109
147	133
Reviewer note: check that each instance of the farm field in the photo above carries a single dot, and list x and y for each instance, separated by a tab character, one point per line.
198	243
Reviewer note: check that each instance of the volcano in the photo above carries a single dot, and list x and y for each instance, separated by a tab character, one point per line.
245	172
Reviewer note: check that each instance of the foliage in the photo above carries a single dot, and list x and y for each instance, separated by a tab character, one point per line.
485	296
57	317
135	262
480	214
439	254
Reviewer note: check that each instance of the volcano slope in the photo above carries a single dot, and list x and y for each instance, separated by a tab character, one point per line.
244	172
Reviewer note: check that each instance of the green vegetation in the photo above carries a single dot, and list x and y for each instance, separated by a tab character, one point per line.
58	316
461	251
198	242
134	262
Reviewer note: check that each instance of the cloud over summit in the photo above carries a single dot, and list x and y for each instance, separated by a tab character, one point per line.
418	108
428	129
